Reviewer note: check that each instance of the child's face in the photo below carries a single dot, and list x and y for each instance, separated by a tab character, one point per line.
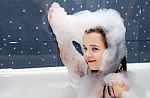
93	49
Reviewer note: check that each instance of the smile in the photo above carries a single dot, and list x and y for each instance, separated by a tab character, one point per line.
91	61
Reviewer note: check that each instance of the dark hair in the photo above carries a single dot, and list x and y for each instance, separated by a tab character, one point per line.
123	66
101	31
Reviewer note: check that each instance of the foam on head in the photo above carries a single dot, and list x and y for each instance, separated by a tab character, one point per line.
70	28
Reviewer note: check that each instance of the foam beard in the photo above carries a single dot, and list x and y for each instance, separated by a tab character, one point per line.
68	28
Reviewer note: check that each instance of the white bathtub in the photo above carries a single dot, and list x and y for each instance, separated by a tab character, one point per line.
53	82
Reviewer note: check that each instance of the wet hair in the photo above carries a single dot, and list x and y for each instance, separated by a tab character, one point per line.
101	31
123	66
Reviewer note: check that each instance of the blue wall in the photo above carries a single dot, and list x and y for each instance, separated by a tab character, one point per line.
26	39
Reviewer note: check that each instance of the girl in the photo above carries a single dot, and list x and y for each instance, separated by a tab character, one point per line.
101	71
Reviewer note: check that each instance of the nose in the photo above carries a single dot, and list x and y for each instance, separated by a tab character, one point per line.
88	54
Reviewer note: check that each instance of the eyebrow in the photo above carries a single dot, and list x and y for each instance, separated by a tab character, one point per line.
92	46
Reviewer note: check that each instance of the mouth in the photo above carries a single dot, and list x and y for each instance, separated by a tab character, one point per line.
91	61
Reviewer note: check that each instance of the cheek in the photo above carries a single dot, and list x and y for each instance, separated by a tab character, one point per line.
99	57
84	55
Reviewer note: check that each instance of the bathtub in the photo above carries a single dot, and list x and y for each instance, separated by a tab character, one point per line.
53	82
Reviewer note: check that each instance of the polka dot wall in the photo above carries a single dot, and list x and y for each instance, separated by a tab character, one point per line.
26	39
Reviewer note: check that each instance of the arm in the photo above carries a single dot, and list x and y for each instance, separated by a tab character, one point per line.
62	28
73	61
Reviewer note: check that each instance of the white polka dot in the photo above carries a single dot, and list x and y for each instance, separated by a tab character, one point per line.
43	59
36	27
107	2
135	54
138	6
21	52
45	44
20	27
40	11
81	6
5	44
122	7
38	52
1	49
19	38
14	48
29	62
23	10
142	52
144	46
8	36
98	5
145	59
12	62
129	42
126	13
143	10
72	9
144	31
137	15
133	33
131	7
9	55
146	3
136	38
143	18
141	26
36	39
49	50
116	1
132	48
91	6
47	4
10	21
2	64
54	57
134	20
128	24
44	23
64	0
148	42
31	48
4	39
147	38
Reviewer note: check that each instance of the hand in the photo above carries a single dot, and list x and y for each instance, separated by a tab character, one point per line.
55	9
116	88
117	83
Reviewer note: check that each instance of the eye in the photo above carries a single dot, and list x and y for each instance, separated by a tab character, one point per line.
85	49
95	49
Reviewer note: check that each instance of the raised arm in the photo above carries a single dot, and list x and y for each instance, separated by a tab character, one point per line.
62	25
72	59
